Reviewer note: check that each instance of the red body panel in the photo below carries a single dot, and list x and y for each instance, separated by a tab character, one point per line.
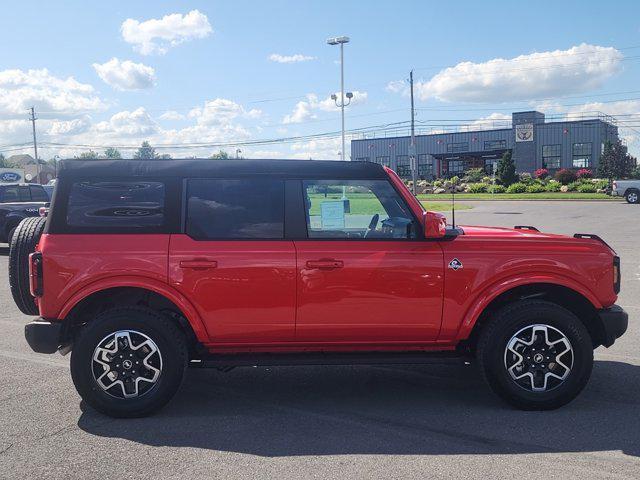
248	295
383	291
283	296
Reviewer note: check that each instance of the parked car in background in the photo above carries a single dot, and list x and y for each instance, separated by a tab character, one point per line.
629	189
142	268
17	202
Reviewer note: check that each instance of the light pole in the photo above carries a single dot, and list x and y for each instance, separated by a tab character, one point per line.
341	41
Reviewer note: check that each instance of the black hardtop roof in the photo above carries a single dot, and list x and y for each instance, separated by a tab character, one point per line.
220	168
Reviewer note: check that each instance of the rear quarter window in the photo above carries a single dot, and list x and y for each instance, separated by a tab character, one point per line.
116	204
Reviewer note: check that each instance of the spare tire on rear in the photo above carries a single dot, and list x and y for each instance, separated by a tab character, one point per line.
23	243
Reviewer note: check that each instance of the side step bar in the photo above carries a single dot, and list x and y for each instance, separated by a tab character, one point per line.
328	358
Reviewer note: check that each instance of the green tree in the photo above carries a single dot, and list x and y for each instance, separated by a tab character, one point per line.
221	155
4	163
506	170
145	152
112	153
164	156
90	155
615	161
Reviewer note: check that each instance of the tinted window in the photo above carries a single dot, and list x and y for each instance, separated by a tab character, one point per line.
10	194
356	209
23	194
116	204
38	194
247	208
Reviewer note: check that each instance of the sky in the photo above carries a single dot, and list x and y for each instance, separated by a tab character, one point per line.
255	78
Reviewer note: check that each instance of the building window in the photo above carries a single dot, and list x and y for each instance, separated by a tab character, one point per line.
457	147
581	155
425	166
551	156
456	166
384	161
495	144
403	166
488	165
362	159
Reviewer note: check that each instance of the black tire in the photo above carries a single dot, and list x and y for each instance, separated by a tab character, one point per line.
169	340
632	196
515	318
25	238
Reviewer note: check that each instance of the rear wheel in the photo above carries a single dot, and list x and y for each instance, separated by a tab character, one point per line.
632	196
535	355
128	362
23	242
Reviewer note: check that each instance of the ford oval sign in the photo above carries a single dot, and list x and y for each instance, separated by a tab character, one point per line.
10	177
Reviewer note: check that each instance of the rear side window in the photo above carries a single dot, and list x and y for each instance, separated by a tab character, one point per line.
10	194
235	209
118	204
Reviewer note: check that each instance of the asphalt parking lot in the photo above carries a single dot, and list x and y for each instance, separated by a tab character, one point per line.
340	422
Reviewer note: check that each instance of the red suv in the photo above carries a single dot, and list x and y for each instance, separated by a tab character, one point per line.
146	267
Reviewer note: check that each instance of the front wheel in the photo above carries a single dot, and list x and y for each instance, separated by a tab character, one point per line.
128	362
535	355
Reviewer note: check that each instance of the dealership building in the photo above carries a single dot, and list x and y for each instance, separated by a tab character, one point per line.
534	143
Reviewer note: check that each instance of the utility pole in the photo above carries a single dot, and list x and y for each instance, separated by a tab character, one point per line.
35	143
412	147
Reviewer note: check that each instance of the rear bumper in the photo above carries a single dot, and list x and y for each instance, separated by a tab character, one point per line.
614	322
43	336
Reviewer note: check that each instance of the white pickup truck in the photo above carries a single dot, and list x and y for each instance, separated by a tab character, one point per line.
629	189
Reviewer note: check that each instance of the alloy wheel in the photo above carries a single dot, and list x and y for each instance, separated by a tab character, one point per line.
126	364
539	358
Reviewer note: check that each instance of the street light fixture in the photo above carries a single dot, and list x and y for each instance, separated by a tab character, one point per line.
341	41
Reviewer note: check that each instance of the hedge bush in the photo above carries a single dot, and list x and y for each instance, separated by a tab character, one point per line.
565	176
553	187
535	188
517	188
573	186
587	188
496	189
477	188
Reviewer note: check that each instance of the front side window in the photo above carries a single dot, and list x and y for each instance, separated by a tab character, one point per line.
356	209
251	208
116	204
38	194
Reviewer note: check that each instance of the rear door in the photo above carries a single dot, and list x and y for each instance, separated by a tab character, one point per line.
233	262
365	272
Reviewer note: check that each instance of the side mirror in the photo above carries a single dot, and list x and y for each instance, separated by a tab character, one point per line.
435	225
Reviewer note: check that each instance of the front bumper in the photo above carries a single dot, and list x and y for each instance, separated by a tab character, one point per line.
614	321
44	336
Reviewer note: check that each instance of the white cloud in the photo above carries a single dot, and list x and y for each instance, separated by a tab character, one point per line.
398	86
126	75
172	115
158	35
20	89
276	57
320	149
305	109
537	75
70	127
495	120
136	123
221	111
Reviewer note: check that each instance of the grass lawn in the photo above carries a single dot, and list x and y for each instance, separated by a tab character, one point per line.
519	196
368	204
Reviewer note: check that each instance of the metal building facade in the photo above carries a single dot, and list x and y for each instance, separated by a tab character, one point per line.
533	142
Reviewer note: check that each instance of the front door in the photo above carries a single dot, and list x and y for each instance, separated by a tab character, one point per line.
232	261
365	274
